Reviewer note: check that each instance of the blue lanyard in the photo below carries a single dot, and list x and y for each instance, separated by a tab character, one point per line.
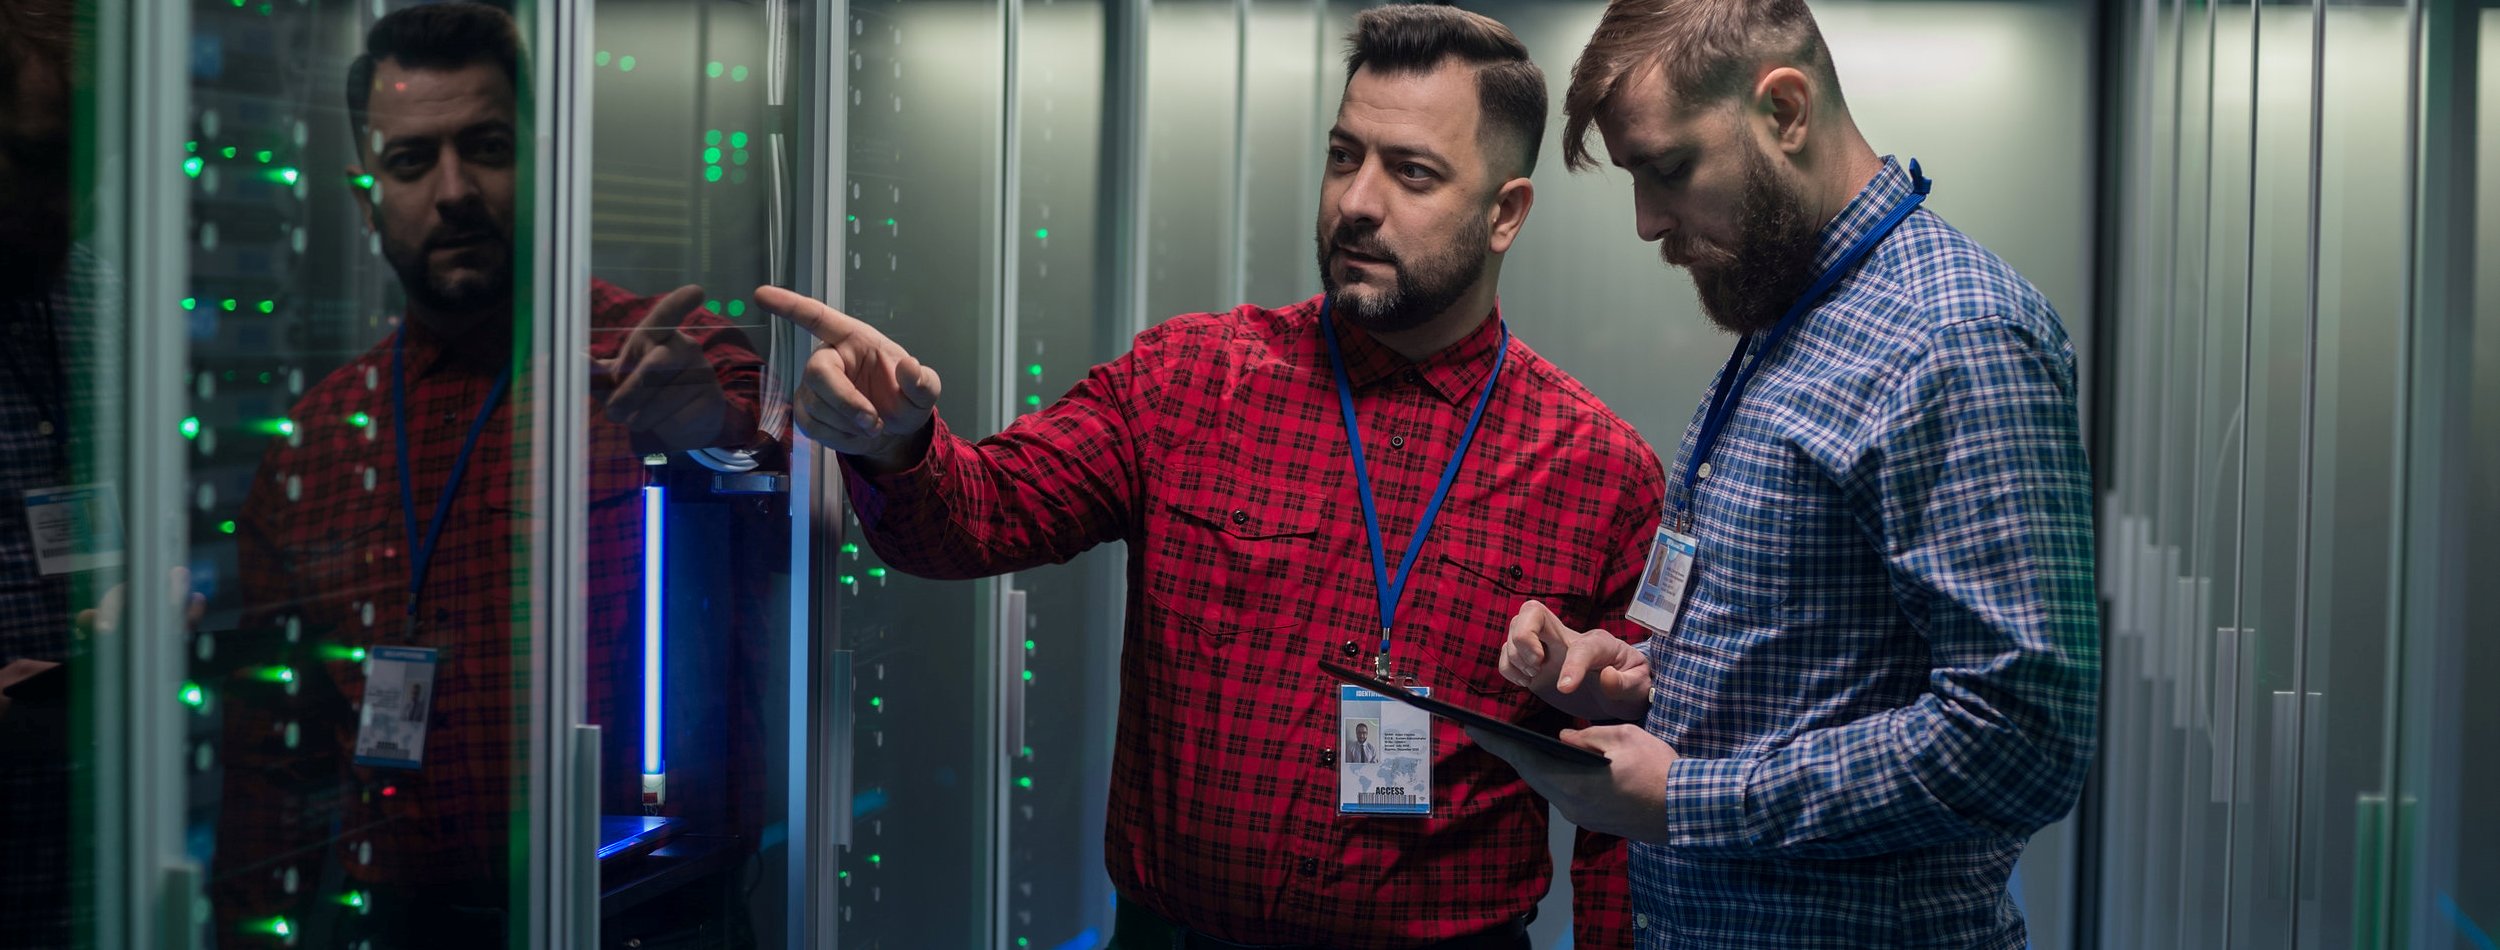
1390	588
421	555
1739	373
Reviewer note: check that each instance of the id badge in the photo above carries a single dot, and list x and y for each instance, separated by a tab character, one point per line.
399	699
76	528
1661	595
1384	755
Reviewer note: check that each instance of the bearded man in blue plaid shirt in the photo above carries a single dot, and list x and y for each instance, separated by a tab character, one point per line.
1877	672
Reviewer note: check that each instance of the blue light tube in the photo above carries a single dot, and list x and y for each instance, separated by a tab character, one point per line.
654	544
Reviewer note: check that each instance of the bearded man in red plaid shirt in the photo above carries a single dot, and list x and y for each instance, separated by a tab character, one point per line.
1379	472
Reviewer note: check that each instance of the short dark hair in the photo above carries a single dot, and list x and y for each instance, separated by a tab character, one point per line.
1710	49
432	36
1419	37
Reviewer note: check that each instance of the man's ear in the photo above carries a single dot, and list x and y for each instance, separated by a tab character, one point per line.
1510	212
365	185
1785	99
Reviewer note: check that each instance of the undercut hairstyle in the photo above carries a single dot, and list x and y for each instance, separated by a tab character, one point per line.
1416	38
441	36
1711	50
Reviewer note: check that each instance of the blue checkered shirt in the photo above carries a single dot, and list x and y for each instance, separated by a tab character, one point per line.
1886	676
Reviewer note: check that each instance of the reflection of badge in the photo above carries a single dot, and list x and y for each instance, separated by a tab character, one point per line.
1384	755
78	528
1661	594
399	698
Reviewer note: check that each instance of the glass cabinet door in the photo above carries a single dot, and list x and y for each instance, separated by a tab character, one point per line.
357	471
699	169
923	240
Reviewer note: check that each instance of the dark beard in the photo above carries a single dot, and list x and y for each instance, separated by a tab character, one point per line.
428	292
1424	289
1746	289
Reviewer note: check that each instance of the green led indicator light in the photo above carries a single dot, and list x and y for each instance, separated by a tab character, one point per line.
191	427
848	579
228	151
190	303
357	654
877	859
1025	782
737	140
264	155
193	696
264	378
1042	233
603	58
225	527
352	899
192	166
229	304
285	426
711	136
850	549
274	926
626	64
360	420
876	702
1022	942
846	875
737	308
711	156
191	146
1033	401
1035	369
285	175
876	572
1028	644
1028	752
713	69
364	182
712	305
1028	676
268	306
738	157
711	173
854	219
266	10
738	75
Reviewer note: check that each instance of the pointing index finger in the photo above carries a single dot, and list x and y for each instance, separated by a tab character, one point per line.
822	322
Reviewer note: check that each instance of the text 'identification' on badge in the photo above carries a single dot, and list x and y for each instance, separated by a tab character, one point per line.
1384	757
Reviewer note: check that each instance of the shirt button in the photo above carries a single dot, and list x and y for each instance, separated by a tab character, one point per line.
1640	921
1240	516
1516	573
1310	867
1397	441
1353	649
43	428
1327	756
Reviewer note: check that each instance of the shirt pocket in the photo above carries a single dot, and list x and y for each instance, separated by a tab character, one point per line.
1230	555
1488	587
1746	525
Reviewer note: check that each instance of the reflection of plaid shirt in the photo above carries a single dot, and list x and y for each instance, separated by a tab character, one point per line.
323	546
50	354
1887	673
1215	448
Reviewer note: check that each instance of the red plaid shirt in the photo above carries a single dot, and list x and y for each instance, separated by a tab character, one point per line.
323	545
1217	450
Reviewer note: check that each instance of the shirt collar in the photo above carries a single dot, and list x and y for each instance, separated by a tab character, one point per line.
1454	374
1890	185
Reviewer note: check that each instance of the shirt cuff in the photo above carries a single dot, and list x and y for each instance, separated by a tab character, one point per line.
1706	803
875	497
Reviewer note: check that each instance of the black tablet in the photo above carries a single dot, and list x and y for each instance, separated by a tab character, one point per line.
1467	717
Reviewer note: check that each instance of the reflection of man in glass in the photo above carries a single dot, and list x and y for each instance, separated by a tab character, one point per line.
1361	751
363	531
47	311
416	702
